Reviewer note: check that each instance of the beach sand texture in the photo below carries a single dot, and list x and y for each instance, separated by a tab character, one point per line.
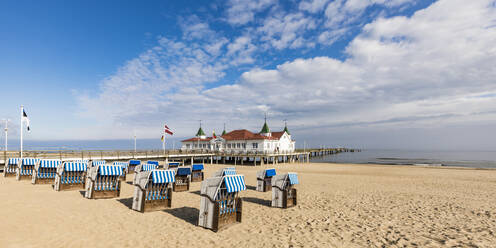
338	206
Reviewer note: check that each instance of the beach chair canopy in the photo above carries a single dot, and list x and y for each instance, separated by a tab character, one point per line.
50	163
293	178
75	166
152	162
148	167
98	162
110	170
183	171
134	162
30	161
163	176
197	167
174	163
121	164
235	183
270	172
229	171
14	161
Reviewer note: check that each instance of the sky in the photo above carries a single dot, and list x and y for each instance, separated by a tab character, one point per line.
408	74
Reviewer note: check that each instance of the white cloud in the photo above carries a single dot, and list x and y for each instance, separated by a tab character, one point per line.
432	69
286	30
241	11
313	6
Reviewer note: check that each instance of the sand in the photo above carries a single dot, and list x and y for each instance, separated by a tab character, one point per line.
338	206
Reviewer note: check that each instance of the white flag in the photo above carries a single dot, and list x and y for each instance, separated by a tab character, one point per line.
25	119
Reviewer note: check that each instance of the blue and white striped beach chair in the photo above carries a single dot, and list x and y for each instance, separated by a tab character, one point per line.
71	175
152	191
26	168
11	166
171	165
143	167
94	163
45	171
197	173
124	166
283	191
183	174
228	171
103	182
132	165
220	205
264	179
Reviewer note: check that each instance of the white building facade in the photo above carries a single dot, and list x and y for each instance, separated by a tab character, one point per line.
242	141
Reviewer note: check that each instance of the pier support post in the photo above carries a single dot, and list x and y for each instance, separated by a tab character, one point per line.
211	160
192	160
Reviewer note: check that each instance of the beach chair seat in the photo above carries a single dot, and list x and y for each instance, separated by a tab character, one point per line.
10	168
197	173
182	175
152	191
220	205
94	163
132	166
103	181
71	175
225	172
26	168
283	191
45	171
264	179
124	166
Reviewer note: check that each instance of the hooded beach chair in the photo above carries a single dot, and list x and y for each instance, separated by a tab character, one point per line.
45	171
71	175
197	173
124	166
220	205
132	165
94	163
152	191
182	179
171	165
152	162
264	179
26	168
10	168
283	191
225	172
143	167
103	181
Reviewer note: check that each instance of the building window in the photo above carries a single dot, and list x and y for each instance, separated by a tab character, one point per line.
228	145
244	145
255	145
238	145
187	146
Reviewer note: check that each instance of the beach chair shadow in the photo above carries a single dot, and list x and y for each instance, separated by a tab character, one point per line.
258	201
129	182
195	192
128	202
187	214
251	187
82	192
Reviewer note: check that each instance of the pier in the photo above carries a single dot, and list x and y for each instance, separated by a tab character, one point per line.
186	157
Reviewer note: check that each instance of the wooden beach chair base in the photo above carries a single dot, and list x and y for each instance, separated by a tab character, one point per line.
24	177
105	194
227	219
9	175
64	187
44	181
156	205
289	198
197	176
180	187
264	185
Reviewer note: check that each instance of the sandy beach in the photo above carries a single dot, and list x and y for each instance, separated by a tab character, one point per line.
339	205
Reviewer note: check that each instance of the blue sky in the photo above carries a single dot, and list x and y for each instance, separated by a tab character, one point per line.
337	70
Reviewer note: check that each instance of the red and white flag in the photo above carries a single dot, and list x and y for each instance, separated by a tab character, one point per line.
167	130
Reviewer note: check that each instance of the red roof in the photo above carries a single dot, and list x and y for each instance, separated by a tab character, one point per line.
242	134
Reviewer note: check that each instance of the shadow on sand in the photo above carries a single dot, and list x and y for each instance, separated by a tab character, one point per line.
128	202
195	192
82	192
259	201
187	214
251	187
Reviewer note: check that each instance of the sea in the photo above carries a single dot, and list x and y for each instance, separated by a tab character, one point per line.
471	159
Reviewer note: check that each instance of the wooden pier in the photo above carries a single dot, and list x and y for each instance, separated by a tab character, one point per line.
186	157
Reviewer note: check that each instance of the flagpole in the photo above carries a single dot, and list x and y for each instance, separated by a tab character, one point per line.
134	141
22	111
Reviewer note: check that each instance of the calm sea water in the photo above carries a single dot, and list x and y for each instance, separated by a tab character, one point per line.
474	159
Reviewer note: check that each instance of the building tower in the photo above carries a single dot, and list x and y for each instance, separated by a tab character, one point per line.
265	129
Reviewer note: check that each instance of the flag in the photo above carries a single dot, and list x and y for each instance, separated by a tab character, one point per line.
213	135
167	130
25	119
162	139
